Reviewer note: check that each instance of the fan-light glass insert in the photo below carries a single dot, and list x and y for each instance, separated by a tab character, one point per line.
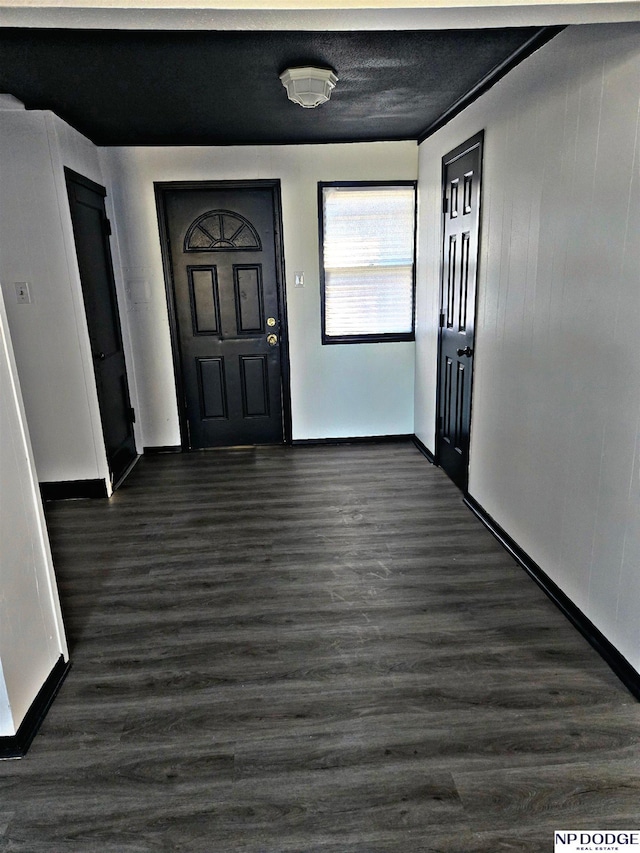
308	86
368	255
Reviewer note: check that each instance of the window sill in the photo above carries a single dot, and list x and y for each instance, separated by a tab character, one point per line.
368	339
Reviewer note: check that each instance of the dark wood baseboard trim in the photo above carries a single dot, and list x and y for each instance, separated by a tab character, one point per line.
17	746
607	651
126	473
358	439
166	448
73	489
424	449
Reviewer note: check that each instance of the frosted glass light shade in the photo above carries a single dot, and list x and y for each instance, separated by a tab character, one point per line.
308	86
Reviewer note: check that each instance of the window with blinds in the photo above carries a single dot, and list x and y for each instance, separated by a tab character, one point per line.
367	239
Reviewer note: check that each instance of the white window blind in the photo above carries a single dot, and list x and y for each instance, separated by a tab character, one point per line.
368	255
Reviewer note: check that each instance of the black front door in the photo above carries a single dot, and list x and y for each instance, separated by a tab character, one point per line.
222	254
461	216
91	233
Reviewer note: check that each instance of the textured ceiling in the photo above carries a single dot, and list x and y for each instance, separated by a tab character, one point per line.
124	87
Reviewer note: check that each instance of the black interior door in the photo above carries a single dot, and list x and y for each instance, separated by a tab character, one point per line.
91	232
461	216
221	248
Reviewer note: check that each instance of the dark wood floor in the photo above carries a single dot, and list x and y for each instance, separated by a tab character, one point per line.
312	650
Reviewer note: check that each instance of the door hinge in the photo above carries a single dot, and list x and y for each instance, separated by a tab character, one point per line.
106	227
445	204
442	319
132	414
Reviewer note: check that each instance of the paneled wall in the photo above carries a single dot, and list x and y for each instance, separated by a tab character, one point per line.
555	452
50	335
31	632
337	391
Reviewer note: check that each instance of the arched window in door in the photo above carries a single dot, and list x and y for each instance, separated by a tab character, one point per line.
221	231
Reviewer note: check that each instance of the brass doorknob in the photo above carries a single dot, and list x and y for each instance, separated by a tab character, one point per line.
272	340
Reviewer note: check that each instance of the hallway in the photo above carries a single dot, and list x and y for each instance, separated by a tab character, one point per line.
312	650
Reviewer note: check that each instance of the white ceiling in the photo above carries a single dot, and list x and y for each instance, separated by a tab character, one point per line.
320	15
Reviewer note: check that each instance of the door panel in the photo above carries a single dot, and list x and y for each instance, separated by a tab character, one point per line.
213	400
461	217
247	281
255	391
91	233
222	254
205	305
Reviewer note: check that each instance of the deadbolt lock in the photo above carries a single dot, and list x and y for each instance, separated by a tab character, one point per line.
272	340
271	321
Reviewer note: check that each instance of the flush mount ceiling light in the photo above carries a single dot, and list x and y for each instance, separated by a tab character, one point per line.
308	86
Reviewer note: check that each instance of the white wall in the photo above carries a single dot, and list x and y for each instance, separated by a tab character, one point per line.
555	446
336	391
31	632
50	335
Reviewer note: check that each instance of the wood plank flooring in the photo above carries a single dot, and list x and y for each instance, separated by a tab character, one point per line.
312	650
